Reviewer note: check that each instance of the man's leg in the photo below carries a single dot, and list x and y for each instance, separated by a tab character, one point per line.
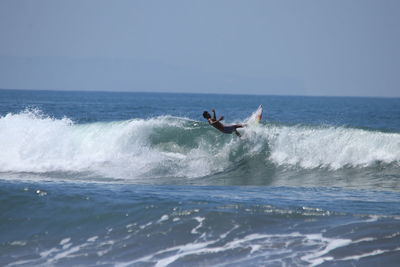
237	133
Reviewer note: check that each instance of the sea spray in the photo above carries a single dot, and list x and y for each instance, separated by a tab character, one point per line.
169	146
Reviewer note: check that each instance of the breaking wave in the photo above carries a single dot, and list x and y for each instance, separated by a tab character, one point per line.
167	146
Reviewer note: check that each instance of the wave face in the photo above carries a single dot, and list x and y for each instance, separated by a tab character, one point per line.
176	147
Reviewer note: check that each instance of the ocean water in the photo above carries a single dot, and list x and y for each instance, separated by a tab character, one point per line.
141	179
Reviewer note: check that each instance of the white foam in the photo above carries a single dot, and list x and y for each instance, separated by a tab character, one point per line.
369	254
328	244
258	245
34	143
163	218
66	253
200	221
65	241
93	238
224	235
331	147
19	243
145	225
48	252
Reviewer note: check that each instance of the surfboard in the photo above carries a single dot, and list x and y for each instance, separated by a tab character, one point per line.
256	117
258	114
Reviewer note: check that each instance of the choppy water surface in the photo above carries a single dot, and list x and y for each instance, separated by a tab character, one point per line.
141	180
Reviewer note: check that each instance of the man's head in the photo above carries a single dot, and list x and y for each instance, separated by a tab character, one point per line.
206	115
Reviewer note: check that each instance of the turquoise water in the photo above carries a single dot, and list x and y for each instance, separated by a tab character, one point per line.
140	179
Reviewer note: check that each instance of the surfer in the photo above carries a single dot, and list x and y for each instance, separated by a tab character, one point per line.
228	129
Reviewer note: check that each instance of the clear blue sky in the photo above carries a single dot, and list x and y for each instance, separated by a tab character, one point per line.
341	47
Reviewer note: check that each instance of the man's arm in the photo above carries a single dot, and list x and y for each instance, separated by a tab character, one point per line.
211	121
214	116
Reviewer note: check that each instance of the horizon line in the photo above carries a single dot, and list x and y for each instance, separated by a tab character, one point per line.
192	93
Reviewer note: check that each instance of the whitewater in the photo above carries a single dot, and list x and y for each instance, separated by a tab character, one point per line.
167	146
135	179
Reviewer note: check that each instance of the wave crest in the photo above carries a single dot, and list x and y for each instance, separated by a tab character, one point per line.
178	147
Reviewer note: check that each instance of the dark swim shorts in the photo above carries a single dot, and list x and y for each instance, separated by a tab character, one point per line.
229	129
